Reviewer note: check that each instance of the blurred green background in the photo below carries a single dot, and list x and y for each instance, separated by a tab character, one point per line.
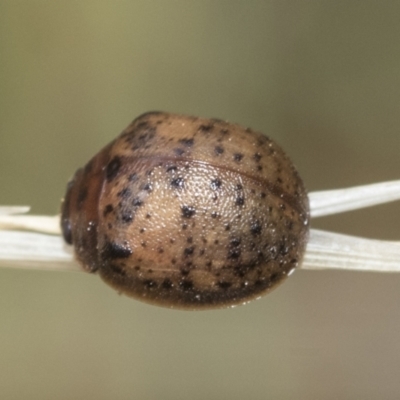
321	77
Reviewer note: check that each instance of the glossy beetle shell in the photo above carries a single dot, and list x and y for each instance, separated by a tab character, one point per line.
188	212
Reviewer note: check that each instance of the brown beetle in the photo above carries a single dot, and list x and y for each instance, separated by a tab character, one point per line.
188	212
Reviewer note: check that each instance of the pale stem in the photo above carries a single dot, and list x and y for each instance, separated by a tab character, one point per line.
329	202
325	250
328	250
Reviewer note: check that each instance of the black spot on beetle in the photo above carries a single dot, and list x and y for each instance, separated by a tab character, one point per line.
67	230
127	217
82	195
172	168
234	253
224	284
240	271
215	184
274	277
112	250
255	228
257	157
188	211
239	201
187	142
186	284
132	177
113	168
137	202
148	187
238	157
188	251
263	140
218	150
149	283
178	183
239	187
214	214
142	124
148	135
124	193
178	151
108	209
235	242
167	284
117	269
184	271
206	128
283	249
